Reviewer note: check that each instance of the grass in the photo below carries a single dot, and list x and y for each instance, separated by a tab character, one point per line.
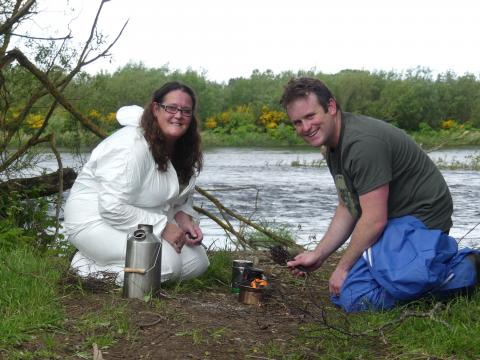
420	330
451	332
218	274
29	299
427	138
28	296
249	139
472	162
456	137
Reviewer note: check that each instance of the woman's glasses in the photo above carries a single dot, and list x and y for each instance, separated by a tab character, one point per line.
172	109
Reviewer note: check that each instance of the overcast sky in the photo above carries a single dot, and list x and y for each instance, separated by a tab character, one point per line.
231	38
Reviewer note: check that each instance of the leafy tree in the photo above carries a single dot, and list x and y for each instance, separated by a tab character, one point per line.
458	96
359	91
411	100
34	74
261	89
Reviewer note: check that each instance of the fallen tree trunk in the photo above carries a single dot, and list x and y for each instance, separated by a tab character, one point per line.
38	186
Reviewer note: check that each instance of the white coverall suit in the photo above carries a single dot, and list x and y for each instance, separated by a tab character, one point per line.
118	188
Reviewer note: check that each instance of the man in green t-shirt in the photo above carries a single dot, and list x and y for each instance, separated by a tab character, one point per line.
391	193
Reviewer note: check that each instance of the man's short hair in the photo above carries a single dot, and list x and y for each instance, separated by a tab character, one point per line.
301	87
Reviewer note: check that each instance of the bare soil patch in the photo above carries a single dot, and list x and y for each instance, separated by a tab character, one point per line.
208	324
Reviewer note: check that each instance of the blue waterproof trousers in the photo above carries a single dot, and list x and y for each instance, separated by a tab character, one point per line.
407	262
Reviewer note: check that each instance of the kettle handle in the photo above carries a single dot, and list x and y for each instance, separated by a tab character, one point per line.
134	270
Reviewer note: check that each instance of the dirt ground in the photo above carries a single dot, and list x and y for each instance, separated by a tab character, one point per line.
211	324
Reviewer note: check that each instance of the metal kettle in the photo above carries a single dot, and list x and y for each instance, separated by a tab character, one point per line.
143	263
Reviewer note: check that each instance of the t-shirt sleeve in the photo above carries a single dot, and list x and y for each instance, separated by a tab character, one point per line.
368	161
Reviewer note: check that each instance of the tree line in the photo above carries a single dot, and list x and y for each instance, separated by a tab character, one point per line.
407	99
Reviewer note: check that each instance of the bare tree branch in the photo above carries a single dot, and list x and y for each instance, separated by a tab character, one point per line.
31	142
14	127
226	227
17	15
241	218
58	204
67	37
82	59
22	59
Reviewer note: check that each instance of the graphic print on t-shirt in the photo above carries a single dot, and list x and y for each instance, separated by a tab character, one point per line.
350	201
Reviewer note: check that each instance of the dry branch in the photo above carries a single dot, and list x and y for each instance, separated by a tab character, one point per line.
223	209
227	227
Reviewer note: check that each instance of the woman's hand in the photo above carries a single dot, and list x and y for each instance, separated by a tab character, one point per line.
175	236
193	233
194	236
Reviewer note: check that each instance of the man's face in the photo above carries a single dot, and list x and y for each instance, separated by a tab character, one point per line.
312	123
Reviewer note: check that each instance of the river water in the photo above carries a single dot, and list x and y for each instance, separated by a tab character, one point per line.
262	184
304	197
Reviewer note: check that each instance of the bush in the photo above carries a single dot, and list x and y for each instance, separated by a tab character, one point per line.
25	222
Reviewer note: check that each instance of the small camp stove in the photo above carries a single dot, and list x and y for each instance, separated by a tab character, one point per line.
253	293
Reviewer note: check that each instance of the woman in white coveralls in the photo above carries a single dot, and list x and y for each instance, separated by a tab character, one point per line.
144	173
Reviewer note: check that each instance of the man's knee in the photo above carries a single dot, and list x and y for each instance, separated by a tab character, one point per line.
373	298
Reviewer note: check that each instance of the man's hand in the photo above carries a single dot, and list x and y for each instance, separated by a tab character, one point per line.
336	281
309	260
367	230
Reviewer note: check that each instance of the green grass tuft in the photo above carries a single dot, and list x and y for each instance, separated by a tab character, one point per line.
28	295
420	330
218	274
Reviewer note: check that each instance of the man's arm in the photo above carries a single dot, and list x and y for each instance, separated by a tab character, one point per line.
368	229
338	232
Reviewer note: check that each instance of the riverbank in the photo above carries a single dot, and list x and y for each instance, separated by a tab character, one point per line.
203	319
426	137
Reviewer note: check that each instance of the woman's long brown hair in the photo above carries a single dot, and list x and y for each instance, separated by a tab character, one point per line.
187	158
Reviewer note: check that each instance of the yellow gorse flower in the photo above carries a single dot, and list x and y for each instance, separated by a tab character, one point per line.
35	121
94	114
448	124
110	117
211	123
224	118
270	119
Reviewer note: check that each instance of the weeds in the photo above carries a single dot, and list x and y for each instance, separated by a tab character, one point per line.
313	163
195	334
471	162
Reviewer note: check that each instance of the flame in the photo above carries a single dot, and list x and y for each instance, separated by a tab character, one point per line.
257	283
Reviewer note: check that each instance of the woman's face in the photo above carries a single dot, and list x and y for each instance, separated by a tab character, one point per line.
174	114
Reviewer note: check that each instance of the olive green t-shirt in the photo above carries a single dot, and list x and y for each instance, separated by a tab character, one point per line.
372	153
